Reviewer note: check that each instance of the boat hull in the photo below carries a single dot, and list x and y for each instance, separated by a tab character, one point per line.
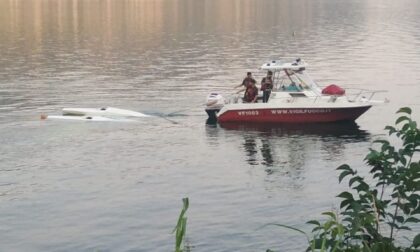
85	118
107	111
293	115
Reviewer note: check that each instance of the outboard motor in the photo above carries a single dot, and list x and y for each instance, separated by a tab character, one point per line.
214	103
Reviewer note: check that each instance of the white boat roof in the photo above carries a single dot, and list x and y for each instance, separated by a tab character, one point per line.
284	64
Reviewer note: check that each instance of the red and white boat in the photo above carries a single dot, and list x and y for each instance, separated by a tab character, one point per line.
295	98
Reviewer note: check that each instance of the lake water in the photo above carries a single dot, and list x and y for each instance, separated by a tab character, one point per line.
86	186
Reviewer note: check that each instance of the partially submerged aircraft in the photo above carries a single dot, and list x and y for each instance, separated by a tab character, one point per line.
106	114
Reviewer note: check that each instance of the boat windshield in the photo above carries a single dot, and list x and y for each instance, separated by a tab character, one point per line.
293	81
290	76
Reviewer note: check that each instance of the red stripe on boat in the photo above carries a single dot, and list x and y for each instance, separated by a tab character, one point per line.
293	115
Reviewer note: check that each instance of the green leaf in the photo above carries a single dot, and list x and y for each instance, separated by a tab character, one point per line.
316	229
382	141
372	155
180	233
345	195
412	219
390	129
416	241
413	125
345	203
406	110
404	228
354	179
400	219
362	187
331	214
381	181
405	128
403	160
328	225
186	204
402	118
344	167
314	222
343	175
391	224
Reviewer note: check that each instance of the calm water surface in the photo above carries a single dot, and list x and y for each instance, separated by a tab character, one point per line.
84	186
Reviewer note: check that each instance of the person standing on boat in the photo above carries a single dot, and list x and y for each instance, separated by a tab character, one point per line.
251	92
247	79
267	86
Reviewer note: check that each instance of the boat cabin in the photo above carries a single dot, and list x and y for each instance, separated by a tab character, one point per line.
289	76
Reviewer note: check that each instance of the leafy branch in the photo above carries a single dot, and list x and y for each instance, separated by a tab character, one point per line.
392	199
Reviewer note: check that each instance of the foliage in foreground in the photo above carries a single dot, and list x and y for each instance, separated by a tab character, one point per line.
372	213
181	227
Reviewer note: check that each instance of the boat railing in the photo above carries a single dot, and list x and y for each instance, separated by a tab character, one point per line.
362	94
236	98
233	98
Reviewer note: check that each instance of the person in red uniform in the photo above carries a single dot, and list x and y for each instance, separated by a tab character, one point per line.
267	86
251	92
247	79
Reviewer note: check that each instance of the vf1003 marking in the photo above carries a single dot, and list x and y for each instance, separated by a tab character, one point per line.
248	113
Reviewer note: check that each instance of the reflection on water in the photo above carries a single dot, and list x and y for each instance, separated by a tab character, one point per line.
287	144
346	130
266	152
288	152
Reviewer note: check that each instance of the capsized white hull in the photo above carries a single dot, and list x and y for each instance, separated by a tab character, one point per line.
107	111
85	118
